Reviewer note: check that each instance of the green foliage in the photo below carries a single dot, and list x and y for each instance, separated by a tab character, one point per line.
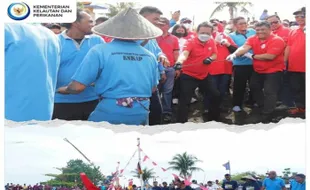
147	174
185	164
79	5
114	9
70	175
233	8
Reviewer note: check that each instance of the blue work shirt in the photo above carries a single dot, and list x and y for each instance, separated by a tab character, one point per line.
273	184
297	186
120	69
240	40
71	57
31	66
154	48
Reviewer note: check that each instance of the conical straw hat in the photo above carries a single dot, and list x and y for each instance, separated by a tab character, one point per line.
129	25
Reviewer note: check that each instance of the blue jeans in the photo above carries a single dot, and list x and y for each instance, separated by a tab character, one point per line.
285	95
221	83
107	110
166	90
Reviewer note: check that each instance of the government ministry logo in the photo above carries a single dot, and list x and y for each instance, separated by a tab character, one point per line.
18	11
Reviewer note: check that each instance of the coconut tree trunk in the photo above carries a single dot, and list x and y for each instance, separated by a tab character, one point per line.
231	12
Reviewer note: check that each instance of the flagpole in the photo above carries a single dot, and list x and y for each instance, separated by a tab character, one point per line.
229	168
139	151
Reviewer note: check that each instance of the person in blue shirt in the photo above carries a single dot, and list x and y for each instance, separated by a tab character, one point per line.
124	73
153	14
31	66
229	184
272	182
242	66
250	183
76	42
299	183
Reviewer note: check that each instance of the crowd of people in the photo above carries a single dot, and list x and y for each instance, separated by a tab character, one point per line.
131	68
249	182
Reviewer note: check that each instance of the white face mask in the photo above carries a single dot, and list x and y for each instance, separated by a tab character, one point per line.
204	37
187	25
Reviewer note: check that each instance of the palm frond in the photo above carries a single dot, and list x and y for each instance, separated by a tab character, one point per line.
219	8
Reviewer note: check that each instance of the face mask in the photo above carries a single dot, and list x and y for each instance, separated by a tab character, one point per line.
179	35
187	25
204	37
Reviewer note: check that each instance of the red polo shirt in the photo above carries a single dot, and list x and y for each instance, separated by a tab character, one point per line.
221	65
273	45
190	35
169	44
282	32
198	51
297	55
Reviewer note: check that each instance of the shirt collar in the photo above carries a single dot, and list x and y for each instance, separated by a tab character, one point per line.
64	34
247	31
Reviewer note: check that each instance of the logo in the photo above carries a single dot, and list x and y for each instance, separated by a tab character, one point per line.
263	46
18	11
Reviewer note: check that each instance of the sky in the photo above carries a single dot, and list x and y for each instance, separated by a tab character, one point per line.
201	9
32	151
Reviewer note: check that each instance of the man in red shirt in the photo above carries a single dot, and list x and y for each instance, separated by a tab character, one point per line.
283	32
295	55
169	44
277	27
195	61
221	69
268	64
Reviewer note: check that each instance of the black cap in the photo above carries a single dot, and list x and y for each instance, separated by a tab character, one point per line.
301	10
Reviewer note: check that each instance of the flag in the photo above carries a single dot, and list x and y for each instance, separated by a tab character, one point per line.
227	165
145	158
139	169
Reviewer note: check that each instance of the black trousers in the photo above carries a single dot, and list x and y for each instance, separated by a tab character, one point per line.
265	88
242	75
188	85
298	88
156	109
74	111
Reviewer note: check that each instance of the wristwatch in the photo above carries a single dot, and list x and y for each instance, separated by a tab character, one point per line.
253	56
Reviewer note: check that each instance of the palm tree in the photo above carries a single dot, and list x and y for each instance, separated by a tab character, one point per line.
232	8
146	175
114	9
185	164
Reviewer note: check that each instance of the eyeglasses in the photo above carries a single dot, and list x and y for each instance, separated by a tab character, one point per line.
300	16
274	22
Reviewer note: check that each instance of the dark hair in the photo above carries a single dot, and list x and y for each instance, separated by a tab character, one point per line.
262	23
301	176
226	175
78	18
205	24
174	29
235	20
164	20
150	10
102	19
273	16
209	182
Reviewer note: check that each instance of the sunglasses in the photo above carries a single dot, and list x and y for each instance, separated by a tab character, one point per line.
300	16
274	22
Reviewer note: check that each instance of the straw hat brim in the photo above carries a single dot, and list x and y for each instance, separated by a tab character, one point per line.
128	25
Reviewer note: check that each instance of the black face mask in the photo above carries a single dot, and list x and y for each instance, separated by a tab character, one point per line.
179	35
